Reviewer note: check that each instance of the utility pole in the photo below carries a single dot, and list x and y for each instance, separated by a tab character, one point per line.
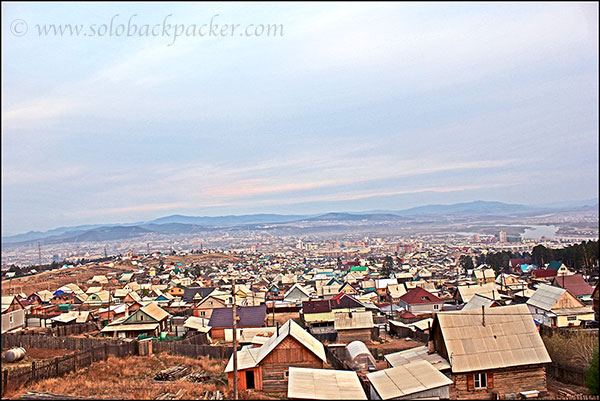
39	253
235	369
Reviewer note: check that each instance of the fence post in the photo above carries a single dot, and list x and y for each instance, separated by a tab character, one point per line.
56	365
105	351
33	371
4	380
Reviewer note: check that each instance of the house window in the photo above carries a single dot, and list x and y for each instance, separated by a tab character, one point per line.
286	374
202	313
436	307
480	380
571	318
11	318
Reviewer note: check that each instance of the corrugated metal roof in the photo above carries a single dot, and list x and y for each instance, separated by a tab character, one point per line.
407	379
477	301
545	297
509	338
196	323
468	291
130	327
155	311
353	320
324	384
417	354
252	357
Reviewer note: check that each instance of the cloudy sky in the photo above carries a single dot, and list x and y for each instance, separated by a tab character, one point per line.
353	107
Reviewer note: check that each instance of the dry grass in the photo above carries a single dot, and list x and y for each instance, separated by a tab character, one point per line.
132	378
573	349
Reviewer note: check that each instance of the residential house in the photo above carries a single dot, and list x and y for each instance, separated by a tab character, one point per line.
494	355
596	302
543	274
394	292
207	305
464	293
296	293
560	267
576	286
13	314
320	312
267	367
419	301
149	320
557	307
482	276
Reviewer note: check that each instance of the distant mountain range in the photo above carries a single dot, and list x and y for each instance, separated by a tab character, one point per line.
179	224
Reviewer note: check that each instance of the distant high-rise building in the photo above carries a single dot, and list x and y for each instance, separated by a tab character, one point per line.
502	236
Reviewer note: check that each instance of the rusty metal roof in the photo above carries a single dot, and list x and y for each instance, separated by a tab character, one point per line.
508	338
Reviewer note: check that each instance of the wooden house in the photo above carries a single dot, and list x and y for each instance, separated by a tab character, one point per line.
207	305
13	314
576	286
267	367
464	293
557	307
482	276
348	289
296	293
495	355
150	320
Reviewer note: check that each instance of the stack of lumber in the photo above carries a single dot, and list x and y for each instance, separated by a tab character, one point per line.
34	395
170	396
213	395
170	374
198	376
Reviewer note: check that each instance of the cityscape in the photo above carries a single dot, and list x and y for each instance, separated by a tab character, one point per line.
307	201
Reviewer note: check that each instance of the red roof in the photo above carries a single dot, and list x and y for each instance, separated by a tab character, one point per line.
542	273
517	262
406	315
420	296
575	284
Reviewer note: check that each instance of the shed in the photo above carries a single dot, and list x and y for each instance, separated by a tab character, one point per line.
414	380
324	384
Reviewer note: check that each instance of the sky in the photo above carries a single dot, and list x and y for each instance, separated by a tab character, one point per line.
342	107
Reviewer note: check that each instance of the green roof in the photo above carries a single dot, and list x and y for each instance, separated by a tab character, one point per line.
358	269
555	265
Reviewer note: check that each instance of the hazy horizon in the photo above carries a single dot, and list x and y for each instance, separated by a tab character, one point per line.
355	107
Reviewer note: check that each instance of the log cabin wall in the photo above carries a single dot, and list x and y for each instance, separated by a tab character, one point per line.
503	381
347	336
288	353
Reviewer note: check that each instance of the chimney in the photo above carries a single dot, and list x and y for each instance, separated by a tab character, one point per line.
483	315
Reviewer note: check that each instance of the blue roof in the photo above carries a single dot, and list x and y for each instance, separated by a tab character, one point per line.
555	265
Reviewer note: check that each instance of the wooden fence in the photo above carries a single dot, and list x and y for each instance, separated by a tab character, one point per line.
567	374
13	379
67	330
192	350
71	343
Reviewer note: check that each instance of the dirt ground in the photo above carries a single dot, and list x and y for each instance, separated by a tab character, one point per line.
132	378
33	355
53	280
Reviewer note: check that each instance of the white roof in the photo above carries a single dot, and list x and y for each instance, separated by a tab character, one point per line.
197	323
508	338
353	320
251	357
545	297
468	291
417	354
477	301
401	381
324	384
